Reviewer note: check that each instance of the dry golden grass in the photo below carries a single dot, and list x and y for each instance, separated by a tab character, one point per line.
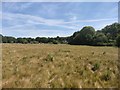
59	66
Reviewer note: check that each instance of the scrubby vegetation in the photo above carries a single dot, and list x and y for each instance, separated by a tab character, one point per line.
108	36
96	66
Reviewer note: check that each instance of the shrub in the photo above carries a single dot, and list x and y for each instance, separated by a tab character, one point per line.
96	66
106	76
55	42
49	57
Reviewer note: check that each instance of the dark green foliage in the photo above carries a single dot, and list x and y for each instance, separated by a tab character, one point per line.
8	39
118	40
88	36
22	40
100	39
30	40
1	38
83	37
111	31
42	40
96	66
55	42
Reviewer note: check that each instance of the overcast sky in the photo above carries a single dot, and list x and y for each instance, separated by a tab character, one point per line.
51	19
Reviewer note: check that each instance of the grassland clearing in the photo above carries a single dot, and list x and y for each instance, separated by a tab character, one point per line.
59	66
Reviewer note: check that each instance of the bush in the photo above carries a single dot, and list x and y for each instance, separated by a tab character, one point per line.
96	66
55	42
49	57
106	76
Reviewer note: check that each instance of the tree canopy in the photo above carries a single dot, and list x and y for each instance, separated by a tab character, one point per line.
84	36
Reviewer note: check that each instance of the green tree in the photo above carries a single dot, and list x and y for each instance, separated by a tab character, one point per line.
11	39
1	38
100	39
84	37
42	39
22	40
30	40
118	40
111	31
8	39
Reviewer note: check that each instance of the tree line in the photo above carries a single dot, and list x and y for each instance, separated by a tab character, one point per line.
56	40
108	36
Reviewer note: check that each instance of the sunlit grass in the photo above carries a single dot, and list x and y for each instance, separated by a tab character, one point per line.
59	66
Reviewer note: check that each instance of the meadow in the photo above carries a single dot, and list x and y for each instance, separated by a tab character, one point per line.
59	66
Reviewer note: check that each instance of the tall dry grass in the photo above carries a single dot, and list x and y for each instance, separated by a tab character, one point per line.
59	66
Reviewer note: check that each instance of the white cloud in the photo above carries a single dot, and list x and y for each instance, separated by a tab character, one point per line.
29	19
73	18
25	25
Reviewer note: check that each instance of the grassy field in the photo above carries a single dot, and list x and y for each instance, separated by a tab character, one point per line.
59	66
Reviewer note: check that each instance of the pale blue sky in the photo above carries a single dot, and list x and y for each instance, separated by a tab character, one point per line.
51	19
